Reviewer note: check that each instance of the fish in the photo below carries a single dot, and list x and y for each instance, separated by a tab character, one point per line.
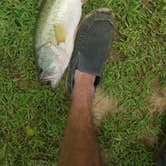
55	34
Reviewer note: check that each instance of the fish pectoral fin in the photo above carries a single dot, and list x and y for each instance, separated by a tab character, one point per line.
60	33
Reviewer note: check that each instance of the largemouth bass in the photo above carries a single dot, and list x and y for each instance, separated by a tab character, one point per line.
54	40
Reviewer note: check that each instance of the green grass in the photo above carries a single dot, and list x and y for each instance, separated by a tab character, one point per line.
25	105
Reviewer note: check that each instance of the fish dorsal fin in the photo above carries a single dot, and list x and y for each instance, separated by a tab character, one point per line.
60	33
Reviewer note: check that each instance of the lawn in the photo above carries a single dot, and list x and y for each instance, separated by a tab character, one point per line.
32	117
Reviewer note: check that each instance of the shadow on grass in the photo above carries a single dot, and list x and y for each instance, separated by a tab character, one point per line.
160	156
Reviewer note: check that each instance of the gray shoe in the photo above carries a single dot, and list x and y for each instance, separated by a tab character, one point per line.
92	46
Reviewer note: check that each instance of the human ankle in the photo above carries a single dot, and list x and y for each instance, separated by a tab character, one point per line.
84	85
84	78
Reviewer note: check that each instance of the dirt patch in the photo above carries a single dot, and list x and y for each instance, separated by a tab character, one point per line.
149	140
158	99
23	84
103	106
115	57
84	1
146	1
151	4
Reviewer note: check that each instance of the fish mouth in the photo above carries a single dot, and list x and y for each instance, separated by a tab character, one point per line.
51	64
49	79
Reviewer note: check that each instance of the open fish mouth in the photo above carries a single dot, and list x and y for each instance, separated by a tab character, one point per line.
51	64
47	79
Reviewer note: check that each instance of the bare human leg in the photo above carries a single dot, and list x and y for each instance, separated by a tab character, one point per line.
80	147
93	40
